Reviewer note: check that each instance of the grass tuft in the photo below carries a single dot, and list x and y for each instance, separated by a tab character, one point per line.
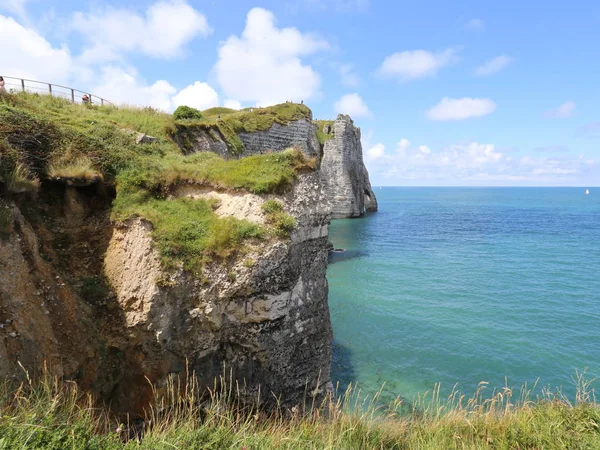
80	168
321	126
50	415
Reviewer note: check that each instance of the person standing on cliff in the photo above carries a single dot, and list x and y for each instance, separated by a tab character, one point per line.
2	85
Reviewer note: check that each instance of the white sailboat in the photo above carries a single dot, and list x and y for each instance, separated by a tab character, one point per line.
587	192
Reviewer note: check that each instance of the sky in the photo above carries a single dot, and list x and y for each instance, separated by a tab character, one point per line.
446	93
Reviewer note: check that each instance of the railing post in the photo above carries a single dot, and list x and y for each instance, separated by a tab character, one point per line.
23	84
50	88
73	95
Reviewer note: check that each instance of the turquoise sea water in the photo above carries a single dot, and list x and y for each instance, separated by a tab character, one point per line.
462	285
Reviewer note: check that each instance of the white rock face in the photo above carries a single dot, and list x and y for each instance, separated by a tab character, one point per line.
266	318
343	172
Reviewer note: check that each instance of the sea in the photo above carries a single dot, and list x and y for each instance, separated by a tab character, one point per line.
457	286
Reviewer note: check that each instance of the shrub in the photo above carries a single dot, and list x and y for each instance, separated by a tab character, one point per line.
282	223
184	112
272	206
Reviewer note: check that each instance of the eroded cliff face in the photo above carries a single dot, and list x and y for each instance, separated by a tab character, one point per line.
298	133
343	172
90	299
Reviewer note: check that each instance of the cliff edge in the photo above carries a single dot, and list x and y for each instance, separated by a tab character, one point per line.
125	263
343	172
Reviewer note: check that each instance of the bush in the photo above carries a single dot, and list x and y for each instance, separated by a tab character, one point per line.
272	206
184	112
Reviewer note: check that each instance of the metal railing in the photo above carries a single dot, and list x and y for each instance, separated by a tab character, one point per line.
12	84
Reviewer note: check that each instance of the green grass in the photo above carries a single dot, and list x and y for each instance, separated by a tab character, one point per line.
281	222
218	110
321	136
43	137
248	120
188	232
48	415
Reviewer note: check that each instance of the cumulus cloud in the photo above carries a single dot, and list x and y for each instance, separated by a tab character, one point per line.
461	108
494	65
125	86
162	31
26	54
375	152
353	105
415	64
198	95
476	163
264	65
475	24
562	111
31	56
233	104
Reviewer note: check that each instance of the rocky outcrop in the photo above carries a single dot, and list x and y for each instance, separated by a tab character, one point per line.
91	301
265	319
298	133
343	173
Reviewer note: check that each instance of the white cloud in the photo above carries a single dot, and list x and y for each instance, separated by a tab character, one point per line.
475	163
475	24
352	105
264	64
375	152
461	108
26	54
403	145
412	65
233	104
162	31
198	95
124	86
562	111
494	65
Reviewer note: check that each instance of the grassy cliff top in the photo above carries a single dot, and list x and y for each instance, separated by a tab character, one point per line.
230	122
47	138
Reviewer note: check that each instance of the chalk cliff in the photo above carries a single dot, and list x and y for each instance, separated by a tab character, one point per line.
343	172
89	299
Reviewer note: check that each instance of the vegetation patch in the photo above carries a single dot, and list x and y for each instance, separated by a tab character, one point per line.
43	137
189	232
52	416
280	221
80	168
184	112
322	127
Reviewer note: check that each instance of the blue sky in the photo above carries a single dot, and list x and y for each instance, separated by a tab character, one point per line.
445	93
